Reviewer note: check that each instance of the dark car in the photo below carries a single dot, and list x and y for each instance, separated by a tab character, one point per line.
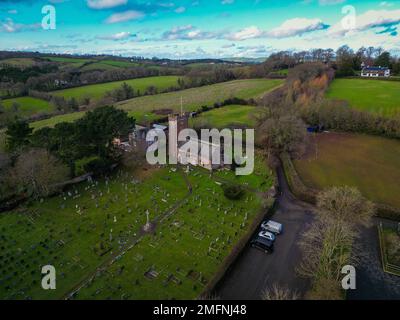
263	244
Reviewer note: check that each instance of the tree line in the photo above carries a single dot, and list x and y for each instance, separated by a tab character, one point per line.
50	155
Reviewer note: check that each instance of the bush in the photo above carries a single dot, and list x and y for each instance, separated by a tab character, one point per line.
81	165
233	191
98	166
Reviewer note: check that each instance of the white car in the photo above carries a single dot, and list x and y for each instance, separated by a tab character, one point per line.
272	226
267	235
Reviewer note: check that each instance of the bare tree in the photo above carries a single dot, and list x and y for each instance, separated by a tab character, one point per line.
37	171
279	130
345	204
329	244
276	292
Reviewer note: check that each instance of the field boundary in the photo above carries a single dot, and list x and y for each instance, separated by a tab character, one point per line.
307	194
386	265
371	78
296	184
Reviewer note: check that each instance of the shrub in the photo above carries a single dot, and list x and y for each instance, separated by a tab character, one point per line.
98	166
233	191
81	165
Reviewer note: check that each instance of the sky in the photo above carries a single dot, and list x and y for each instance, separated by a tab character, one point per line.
187	29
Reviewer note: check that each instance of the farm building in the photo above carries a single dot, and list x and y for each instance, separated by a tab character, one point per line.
375	72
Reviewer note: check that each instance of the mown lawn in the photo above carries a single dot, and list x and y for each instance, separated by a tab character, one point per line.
97	91
79	230
186	250
369	163
28	106
378	96
65	229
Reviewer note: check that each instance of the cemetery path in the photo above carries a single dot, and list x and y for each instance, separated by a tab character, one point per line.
130	244
254	270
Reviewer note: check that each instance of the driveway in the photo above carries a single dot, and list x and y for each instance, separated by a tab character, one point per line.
254	270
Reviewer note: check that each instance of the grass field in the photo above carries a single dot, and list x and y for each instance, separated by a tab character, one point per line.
19	62
99	66
97	91
120	64
28	106
369	163
227	116
197	97
89	225
142	108
68	60
378	96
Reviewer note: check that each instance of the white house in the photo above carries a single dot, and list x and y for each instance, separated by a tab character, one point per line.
375	72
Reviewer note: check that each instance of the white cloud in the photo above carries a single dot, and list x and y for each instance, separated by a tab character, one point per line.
124	16
386	4
246	33
330	2
372	19
296	26
180	10
117	36
187	32
10	26
105	4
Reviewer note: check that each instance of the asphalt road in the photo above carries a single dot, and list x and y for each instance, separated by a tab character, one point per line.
255	270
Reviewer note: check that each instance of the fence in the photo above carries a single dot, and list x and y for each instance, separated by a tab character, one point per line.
386	265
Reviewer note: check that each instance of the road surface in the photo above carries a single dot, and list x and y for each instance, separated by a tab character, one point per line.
255	270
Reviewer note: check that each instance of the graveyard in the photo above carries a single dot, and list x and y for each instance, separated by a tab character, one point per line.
93	233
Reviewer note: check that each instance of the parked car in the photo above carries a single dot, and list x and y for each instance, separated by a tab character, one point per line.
272	226
267	235
263	244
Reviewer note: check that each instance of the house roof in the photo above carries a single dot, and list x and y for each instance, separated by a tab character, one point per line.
376	68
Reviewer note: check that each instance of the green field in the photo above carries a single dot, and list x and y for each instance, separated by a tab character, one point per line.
19	62
97	91
68	60
227	116
99	66
120	64
142	108
194	98
369	163
28	106
97	225
378	96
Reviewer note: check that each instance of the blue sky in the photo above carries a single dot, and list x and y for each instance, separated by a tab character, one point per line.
199	28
